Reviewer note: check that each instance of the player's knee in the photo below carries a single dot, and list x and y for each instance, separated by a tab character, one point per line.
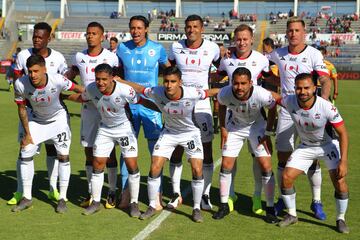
63	158
133	171
197	171
50	150
99	163
287	179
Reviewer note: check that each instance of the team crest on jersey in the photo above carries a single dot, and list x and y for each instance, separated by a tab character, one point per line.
336	116
52	64
117	99
304	60
131	92
157	146
206	53
187	104
317	116
151	52
253	63
53	90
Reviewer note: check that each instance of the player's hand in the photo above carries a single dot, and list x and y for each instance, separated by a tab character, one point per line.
229	52
335	95
119	79
266	142
26	140
341	170
224	136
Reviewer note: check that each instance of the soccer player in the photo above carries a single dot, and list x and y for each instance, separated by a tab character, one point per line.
177	104
268	48
332	72
194	56
113	44
111	99
247	121
10	71
258	65
84	64
55	63
139	61
311	114
292	60
47	120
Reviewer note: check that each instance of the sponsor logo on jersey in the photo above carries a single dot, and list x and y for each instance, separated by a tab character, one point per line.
317	116
192	52
132	149
157	147
231	64
198	150
53	90
253	63
138	52
336	116
105	60
241	64
304	60
304	114
151	52
52	64
117	99
206	53
93	61
293	59
127	51
182	52
282	58
82	61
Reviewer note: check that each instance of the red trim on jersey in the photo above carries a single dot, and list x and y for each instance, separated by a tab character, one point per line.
206	93
20	102
295	53
194	48
243	58
278	102
72	86
41	87
94	55
18	72
321	73
335	125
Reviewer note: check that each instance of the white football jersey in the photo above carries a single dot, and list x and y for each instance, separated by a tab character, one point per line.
55	62
112	108
310	123
87	63
256	63
245	113
45	102
178	114
194	64
290	65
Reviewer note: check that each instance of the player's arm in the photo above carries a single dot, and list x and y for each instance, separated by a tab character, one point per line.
167	64
271	78
137	87
72	73
212	92
344	145
223	130
27	139
325	86
75	97
149	104
335	82
77	88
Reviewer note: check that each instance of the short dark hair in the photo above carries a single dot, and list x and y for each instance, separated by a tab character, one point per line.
269	42
104	67
43	26
172	70
114	39
96	24
35	60
140	18
244	27
194	17
303	76
240	71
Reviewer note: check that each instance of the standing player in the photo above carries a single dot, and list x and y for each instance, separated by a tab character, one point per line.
258	65
332	72
47	120
10	71
139	61
84	64
55	63
247	121
194	56
177	103
113	44
292	60
310	115
111	99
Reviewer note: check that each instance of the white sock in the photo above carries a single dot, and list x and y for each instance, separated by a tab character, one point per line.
19	187
134	186
64	178
52	164
27	175
112	178
225	183
280	171
257	178
89	171
341	201
233	175
315	179
197	186
175	174
289	197
208	171
153	187
268	183
97	182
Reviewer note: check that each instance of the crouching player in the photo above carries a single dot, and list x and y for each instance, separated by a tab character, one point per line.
177	106
47	120
112	100
311	114
245	102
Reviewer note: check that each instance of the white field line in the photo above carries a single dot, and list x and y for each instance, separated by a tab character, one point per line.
155	224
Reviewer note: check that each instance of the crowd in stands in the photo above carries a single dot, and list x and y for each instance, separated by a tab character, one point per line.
280	15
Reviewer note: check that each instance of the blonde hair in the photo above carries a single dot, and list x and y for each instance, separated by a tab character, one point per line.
295	20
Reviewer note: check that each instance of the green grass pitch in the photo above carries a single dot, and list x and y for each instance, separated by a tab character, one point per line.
41	222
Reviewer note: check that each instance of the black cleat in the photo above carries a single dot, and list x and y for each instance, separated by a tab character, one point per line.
222	212
270	215
288	220
134	210
148	214
93	208
61	206
196	216
341	227
23	204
